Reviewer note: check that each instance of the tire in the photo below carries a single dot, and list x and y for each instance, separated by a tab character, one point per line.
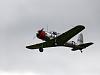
41	49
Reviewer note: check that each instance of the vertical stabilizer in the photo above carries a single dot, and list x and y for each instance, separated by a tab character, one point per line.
80	39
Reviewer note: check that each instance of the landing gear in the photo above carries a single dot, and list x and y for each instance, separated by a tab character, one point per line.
81	51
41	49
55	42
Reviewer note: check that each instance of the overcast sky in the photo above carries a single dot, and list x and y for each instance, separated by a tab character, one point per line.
19	21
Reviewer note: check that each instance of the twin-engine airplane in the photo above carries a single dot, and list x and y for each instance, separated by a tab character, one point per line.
54	39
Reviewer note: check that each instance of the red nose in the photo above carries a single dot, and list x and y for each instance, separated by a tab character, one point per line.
41	34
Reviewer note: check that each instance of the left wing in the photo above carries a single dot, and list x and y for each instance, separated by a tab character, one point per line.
60	40
63	38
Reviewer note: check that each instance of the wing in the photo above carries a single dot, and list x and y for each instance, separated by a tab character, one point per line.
49	43
63	38
85	45
60	40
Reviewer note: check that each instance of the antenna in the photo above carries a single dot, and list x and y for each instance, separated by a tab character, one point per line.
47	28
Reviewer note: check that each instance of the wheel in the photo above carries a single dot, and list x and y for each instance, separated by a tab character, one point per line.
41	49
81	51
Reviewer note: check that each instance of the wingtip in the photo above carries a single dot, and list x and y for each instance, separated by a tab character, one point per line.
92	43
27	47
81	26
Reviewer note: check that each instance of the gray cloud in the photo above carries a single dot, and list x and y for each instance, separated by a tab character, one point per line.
20	19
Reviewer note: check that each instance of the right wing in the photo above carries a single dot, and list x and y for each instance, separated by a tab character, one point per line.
49	43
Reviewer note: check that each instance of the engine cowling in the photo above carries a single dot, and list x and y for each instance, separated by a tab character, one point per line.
41	35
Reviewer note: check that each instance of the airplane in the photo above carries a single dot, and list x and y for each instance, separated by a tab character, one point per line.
54	39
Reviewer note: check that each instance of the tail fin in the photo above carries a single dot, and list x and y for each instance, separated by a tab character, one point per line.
80	39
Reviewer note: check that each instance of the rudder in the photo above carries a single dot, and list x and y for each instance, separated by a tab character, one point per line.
80	39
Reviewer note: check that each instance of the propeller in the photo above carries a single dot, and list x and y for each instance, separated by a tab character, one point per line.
38	32
34	37
41	29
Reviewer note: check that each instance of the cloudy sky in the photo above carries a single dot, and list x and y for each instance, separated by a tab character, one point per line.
19	21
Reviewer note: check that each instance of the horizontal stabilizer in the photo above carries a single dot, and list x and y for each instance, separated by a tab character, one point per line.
85	45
